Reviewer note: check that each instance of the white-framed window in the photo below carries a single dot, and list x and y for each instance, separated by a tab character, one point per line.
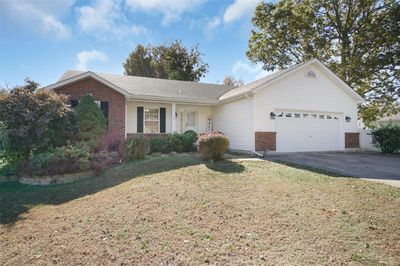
151	120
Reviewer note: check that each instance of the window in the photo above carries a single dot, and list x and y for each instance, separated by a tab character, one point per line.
151	120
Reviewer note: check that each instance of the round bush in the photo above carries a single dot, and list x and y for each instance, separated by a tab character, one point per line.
175	140
134	148
213	146
189	138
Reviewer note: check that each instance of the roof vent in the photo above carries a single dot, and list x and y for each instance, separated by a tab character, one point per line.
310	74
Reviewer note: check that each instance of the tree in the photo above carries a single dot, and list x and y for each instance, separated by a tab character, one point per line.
231	81
91	122
167	62
33	120
358	40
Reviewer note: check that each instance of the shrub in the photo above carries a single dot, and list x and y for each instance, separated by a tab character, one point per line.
156	144
189	139
134	148
33	121
114	145
175	140
213	146
61	160
91	122
387	138
103	160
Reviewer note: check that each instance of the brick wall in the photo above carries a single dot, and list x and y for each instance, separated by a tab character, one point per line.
352	140
146	135
101	92
265	141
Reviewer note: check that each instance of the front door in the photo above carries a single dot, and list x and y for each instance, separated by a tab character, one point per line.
190	120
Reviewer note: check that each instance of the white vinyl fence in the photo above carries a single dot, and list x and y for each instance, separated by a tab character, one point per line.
365	140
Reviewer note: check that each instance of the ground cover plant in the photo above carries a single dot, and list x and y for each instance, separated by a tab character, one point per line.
181	210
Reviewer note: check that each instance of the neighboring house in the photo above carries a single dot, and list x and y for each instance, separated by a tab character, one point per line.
392	120
303	108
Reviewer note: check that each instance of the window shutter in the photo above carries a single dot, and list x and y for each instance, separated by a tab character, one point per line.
139	120
162	120
104	109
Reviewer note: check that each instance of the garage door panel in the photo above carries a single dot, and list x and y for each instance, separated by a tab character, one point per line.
308	132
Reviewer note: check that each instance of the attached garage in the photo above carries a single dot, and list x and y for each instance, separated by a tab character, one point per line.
308	131
304	108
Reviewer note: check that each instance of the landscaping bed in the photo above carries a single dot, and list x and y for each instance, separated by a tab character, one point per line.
179	210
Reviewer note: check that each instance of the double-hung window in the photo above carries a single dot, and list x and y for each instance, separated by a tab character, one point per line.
151	120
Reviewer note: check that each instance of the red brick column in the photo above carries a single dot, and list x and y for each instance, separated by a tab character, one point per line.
101	92
352	140
265	141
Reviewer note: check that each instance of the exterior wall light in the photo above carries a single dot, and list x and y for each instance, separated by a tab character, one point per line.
348	118
272	115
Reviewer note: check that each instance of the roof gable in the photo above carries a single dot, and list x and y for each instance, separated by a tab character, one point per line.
255	86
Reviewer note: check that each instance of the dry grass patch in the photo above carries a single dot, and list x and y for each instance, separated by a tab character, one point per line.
178	210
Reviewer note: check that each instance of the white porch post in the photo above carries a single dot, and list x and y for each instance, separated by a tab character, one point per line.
173	118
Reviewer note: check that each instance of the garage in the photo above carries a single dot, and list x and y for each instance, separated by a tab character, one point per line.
308	131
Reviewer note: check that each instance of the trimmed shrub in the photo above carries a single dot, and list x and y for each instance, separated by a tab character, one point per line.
213	146
156	144
387	138
103	160
134	148
189	139
114	145
61	160
91	122
175	140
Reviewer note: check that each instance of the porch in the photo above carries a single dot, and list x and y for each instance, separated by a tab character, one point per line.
152	118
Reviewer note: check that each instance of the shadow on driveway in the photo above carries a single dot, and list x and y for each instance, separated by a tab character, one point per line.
369	166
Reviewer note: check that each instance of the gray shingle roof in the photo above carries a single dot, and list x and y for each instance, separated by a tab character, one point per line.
141	86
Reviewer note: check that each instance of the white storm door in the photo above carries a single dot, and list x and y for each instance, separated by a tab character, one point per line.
190	118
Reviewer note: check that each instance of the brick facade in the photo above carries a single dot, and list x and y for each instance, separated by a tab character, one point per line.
265	141
101	92
146	135
352	140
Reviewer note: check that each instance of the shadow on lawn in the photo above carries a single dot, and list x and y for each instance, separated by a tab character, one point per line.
16	199
225	167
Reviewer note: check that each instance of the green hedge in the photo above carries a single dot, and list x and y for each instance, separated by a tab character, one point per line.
387	138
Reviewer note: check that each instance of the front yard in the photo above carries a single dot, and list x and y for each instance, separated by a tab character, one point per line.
177	210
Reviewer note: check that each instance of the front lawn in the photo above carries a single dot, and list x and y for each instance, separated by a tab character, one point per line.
178	210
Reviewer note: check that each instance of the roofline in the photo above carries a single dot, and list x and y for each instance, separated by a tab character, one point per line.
271	81
86	75
128	95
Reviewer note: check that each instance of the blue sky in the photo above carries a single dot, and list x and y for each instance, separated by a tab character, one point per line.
41	39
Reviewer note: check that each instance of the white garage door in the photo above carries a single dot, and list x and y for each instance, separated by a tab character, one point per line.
307	131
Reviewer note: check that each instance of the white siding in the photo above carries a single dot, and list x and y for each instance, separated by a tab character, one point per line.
131	119
235	119
297	92
203	113
304	95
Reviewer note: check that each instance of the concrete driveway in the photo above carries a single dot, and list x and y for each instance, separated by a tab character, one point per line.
369	166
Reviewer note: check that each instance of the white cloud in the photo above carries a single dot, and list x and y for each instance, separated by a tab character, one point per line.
248	72
210	27
44	15
239	9
105	18
85	57
171	9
